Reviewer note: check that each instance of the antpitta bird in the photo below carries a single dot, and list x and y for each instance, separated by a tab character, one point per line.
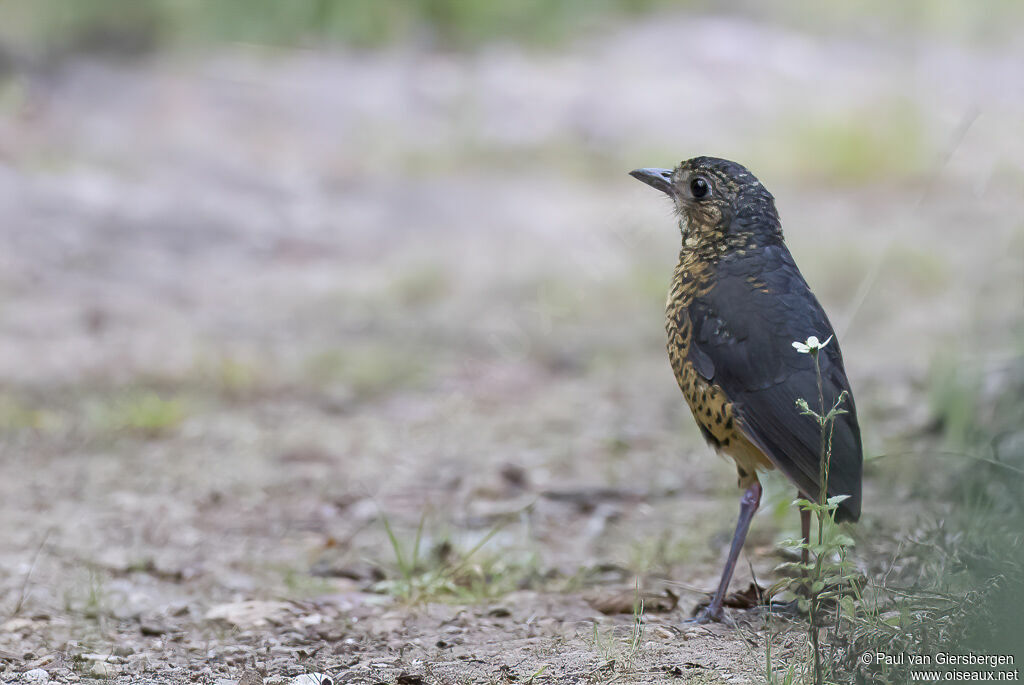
737	304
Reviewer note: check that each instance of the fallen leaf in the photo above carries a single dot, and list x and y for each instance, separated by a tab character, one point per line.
622	602
249	614
753	596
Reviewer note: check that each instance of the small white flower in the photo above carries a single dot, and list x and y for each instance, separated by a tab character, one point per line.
811	345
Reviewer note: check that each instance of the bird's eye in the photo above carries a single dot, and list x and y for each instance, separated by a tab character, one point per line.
699	187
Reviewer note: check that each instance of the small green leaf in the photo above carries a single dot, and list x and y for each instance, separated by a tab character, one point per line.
790	566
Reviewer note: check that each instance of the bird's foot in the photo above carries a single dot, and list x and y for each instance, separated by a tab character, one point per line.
708	614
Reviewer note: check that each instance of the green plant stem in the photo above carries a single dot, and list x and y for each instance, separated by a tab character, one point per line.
828	544
822	499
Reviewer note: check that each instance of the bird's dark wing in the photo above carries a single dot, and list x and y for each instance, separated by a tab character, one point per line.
743	334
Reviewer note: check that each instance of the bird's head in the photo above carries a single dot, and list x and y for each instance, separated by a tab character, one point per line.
716	199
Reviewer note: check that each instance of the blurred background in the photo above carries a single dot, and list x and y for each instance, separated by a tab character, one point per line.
289	291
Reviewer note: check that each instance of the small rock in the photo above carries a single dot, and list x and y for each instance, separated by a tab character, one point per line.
95	656
515	475
153	628
36	675
664	633
123	650
311	679
250	614
177	609
16	624
102	669
409	679
41	662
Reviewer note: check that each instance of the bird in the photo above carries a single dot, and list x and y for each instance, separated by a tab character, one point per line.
736	305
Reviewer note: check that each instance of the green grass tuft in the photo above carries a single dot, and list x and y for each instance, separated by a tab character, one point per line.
446	572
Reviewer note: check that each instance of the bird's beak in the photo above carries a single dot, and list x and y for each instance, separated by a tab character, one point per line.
656	178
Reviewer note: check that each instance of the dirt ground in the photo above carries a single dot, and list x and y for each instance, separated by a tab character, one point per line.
259	308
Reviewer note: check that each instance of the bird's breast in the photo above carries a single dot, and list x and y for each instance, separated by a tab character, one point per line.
711	408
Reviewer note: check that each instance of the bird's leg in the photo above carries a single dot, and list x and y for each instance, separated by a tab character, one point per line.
805	532
792	607
749	503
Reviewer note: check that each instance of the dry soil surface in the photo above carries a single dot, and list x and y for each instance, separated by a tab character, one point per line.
256	307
